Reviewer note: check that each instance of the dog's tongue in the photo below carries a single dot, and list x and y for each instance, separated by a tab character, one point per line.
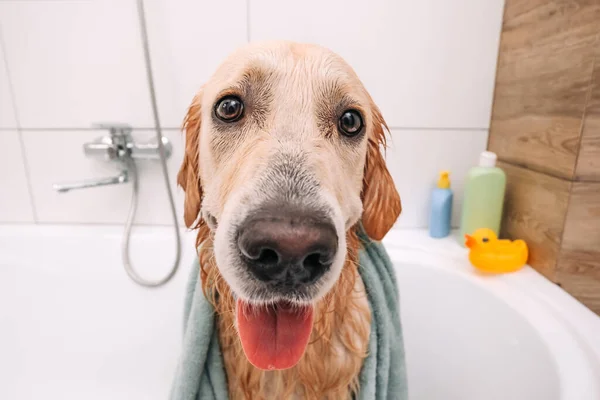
274	337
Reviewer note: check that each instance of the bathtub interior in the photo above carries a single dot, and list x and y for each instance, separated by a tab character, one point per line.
74	326
464	343
78	328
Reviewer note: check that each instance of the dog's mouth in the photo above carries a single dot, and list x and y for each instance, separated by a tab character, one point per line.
274	337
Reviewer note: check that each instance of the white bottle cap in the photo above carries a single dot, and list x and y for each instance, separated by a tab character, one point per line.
487	159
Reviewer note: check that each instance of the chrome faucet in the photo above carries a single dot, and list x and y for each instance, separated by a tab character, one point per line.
119	147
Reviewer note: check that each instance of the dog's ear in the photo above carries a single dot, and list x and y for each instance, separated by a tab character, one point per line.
188	177
381	201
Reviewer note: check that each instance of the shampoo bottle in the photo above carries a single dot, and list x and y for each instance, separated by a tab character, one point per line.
484	197
441	208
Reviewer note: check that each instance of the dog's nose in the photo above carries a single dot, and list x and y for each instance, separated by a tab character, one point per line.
287	248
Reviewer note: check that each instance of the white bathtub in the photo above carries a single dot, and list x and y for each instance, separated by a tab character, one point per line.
72	325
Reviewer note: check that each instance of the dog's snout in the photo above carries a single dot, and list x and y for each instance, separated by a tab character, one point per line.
287	249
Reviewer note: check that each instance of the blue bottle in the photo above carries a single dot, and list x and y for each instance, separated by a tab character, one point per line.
441	207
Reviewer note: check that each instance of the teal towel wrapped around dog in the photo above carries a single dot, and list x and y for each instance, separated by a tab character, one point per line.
201	374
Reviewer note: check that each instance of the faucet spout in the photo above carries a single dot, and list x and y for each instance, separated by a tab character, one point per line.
123	177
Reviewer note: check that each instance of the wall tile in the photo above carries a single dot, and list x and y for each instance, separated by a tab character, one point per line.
431	151
415	159
7	111
578	269
73	63
588	160
96	205
542	87
426	63
15	202
438	68
535	206
188	40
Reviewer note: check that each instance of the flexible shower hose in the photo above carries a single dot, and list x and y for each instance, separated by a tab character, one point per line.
132	168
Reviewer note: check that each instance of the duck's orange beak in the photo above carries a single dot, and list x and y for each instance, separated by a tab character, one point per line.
470	241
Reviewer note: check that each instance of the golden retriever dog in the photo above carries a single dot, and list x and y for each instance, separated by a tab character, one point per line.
283	163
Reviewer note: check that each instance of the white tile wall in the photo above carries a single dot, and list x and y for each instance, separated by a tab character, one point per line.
15	203
189	39
7	111
416	157
74	63
429	64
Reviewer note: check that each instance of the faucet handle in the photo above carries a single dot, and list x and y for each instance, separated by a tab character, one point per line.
115	128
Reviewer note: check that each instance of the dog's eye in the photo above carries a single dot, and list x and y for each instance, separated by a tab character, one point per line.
229	109
350	123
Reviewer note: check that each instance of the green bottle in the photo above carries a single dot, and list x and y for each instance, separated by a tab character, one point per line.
484	197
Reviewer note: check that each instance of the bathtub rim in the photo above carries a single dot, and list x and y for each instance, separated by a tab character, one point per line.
565	325
546	300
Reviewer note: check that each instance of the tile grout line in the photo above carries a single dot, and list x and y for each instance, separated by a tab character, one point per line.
397	128
555	271
439	128
496	69
248	21
543	171
87	223
88	129
583	120
13	99
573	176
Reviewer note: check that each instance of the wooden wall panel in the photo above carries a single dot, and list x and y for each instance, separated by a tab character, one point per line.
542	85
545	129
588	162
534	210
578	268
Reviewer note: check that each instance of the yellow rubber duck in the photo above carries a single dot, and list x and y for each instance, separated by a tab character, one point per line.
490	254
